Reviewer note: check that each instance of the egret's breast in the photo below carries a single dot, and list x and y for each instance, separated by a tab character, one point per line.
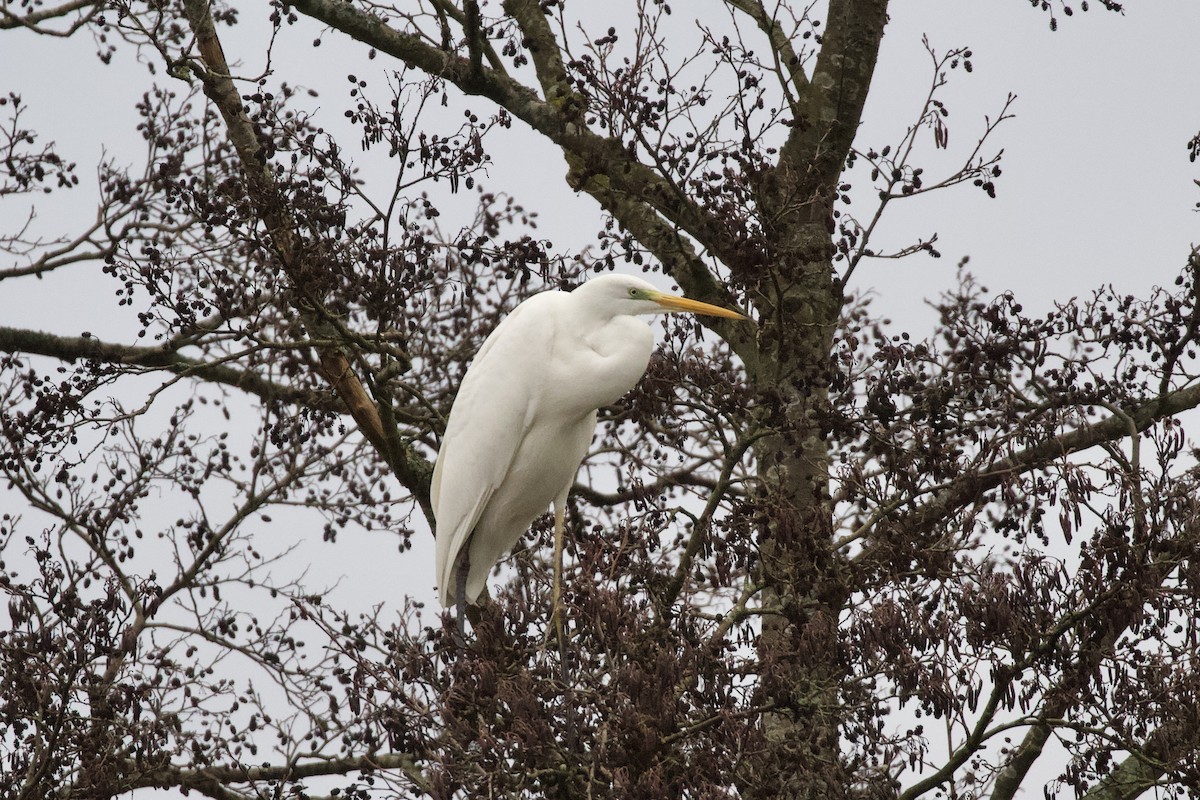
622	349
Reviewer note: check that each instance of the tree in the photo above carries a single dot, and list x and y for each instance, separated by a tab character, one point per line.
795	544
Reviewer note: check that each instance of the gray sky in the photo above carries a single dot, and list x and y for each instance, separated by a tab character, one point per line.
1096	185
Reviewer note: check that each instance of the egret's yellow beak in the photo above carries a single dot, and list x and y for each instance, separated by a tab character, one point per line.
672	303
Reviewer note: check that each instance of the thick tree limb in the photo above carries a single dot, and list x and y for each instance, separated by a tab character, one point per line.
787	63
677	255
77	348
831	104
917	522
9	20
219	87
335	364
545	53
1132	778
605	158
202	779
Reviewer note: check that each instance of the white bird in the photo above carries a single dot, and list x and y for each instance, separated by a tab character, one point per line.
525	414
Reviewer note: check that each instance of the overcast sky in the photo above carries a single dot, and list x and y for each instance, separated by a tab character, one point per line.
1096	184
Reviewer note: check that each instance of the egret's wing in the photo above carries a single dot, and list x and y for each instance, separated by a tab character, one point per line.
490	417
510	321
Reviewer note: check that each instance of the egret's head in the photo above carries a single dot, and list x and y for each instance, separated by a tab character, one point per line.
624	294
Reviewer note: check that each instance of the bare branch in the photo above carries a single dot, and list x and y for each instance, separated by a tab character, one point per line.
32	20
335	365
215	778
597	155
71	349
971	488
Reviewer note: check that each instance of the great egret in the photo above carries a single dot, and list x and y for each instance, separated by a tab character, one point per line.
524	417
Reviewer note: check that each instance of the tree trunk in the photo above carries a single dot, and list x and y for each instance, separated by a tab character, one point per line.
802	664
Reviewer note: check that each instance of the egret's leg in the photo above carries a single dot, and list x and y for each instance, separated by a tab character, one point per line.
557	620
460	598
556	616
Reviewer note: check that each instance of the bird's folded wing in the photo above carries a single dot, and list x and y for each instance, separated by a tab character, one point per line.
490	417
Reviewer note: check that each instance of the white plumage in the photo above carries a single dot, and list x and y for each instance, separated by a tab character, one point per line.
526	411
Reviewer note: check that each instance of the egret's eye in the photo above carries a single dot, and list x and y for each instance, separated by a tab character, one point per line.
633	292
